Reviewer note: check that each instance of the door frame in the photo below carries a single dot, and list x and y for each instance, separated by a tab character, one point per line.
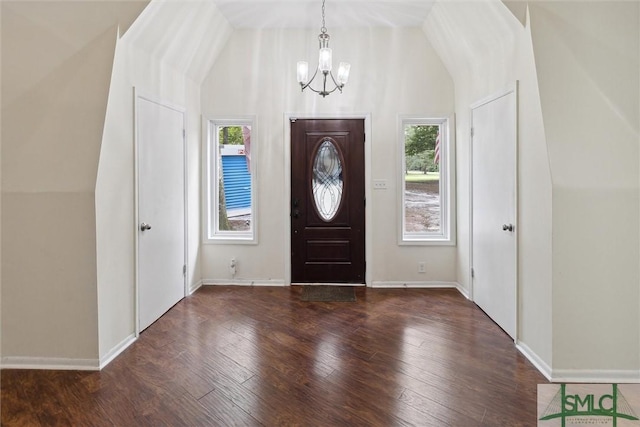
505	92
136	193
368	215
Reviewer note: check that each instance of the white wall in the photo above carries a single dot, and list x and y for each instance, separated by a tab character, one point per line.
114	212
67	177
49	264
487	49
588	68
394	71
534	210
56	62
67	173
164	55
577	63
0	207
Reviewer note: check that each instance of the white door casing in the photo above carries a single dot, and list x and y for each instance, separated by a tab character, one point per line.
494	199
160	206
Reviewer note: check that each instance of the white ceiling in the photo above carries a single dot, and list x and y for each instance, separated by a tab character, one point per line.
339	13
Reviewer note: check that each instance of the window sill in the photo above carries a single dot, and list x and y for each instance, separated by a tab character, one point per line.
230	241
435	241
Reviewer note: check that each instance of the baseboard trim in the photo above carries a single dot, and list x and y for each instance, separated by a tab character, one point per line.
422	285
607	376
115	351
464	291
413	285
227	282
50	363
536	360
195	287
356	285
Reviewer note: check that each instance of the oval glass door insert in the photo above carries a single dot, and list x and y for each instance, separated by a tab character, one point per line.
327	182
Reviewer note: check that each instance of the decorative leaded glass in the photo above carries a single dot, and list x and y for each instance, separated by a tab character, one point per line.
327	180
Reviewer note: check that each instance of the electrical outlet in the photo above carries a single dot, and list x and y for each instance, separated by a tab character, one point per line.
422	267
232	266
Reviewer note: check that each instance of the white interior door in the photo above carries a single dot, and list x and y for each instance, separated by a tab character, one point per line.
494	209
161	209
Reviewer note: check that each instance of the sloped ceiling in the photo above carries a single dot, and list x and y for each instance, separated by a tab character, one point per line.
518	8
470	35
187	35
56	35
339	13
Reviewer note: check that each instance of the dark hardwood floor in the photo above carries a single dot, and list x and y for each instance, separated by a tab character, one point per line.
252	356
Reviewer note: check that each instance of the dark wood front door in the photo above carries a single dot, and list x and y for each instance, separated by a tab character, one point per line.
327	201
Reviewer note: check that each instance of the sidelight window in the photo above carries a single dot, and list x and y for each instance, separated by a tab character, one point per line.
230	181
425	182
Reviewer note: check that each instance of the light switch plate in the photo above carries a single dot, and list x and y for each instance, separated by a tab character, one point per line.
379	184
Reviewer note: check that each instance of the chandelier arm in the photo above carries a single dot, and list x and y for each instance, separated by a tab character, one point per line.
308	85
338	86
324	92
312	89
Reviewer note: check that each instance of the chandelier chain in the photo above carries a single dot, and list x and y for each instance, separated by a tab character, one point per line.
323	29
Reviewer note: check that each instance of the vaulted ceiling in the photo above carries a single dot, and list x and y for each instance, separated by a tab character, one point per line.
339	13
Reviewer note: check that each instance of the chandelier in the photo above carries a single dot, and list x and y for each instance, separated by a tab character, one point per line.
324	66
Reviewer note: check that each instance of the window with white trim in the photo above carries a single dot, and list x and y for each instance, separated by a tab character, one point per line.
230	181
425	171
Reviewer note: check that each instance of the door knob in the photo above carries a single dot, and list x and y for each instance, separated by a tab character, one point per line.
507	227
296	213
144	226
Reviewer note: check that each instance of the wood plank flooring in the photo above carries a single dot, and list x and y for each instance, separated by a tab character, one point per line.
252	356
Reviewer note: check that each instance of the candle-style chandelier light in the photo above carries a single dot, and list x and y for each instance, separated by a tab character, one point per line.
324	66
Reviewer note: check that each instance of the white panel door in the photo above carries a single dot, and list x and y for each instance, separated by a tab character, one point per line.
161	209
494	209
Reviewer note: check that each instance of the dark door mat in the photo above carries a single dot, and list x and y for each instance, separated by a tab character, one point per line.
328	293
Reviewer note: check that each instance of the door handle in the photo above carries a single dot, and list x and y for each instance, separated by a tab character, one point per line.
296	213
144	226
507	227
